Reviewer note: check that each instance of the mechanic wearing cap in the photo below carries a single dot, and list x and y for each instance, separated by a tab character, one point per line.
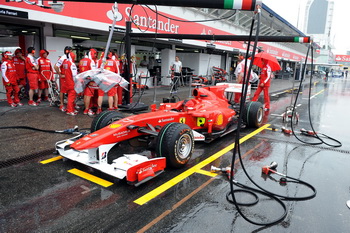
69	70
264	85
32	74
45	74
239	72
111	65
20	64
91	90
9	76
57	68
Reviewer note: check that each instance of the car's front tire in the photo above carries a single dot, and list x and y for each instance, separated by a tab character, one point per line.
175	142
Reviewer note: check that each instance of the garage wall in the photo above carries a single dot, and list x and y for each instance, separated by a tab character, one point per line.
55	46
200	62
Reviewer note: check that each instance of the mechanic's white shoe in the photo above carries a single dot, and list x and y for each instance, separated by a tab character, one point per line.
63	108
32	103
72	113
89	112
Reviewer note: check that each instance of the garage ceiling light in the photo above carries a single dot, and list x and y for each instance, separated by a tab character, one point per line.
180	49
80	37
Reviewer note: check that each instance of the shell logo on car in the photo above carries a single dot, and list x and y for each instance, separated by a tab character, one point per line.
114	126
219	119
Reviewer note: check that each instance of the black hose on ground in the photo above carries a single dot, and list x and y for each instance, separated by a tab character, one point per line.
74	130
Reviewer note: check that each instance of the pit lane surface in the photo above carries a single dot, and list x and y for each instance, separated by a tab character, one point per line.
39	197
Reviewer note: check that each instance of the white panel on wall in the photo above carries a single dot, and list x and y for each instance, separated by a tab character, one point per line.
55	46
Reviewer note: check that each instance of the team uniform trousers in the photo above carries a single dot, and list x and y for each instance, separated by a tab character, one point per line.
265	78
33	75
10	82
69	70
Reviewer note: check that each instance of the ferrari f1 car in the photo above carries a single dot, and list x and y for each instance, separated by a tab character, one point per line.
169	132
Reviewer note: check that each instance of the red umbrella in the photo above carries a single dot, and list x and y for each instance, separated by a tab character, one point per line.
270	60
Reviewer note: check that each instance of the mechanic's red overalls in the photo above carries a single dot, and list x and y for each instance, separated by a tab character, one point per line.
45	72
21	70
33	75
69	70
91	89
111	65
9	76
264	84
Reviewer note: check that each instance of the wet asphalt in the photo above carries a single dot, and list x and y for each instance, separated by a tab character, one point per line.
46	198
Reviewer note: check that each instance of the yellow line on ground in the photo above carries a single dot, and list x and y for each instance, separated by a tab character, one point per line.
90	177
318	92
51	160
157	191
174	207
206	173
182	201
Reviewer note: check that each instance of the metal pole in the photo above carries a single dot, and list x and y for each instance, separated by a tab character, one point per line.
128	77
115	14
290	39
245	5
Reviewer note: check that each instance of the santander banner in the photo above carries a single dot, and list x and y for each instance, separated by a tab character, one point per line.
145	19
342	58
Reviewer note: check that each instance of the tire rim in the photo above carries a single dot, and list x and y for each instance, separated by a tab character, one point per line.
184	146
260	115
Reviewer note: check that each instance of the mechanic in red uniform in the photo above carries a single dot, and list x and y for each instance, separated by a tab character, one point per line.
20	65
45	74
85	64
120	67
57	68
69	70
9	76
111	65
264	85
239	72
32	74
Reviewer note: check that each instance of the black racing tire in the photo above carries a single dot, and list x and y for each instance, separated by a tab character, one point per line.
253	114
175	142
105	118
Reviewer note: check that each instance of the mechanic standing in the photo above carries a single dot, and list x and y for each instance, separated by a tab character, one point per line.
9	76
32	74
57	68
45	74
69	71
20	65
111	65
176	69
264	84
91	90
239	72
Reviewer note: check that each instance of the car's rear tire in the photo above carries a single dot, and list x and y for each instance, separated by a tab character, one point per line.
105	118
253	114
175	142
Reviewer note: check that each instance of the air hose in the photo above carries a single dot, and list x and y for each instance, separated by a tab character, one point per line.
74	130
236	150
311	133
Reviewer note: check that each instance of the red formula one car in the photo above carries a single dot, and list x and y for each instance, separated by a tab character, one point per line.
169	132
